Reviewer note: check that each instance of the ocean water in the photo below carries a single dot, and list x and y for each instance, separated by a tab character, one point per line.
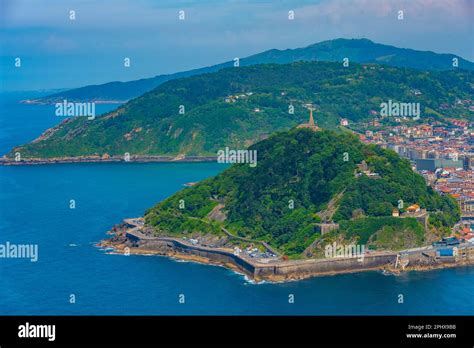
34	209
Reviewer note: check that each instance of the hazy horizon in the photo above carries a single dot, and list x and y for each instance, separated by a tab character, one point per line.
59	53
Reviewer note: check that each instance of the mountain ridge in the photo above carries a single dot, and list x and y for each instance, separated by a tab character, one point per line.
197	115
328	50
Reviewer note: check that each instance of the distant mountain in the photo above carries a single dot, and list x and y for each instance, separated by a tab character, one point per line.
299	177
356	50
236	107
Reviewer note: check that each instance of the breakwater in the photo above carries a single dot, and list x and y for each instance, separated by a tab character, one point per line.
258	269
128	237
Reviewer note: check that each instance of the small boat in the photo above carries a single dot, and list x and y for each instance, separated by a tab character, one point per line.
189	184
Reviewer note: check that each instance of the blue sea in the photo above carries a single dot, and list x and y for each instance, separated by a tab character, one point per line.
34	209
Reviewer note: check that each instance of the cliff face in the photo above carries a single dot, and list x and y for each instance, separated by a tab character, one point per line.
298	174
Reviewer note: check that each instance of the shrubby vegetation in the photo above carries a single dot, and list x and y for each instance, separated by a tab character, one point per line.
365	230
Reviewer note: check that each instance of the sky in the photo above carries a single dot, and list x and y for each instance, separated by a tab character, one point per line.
57	52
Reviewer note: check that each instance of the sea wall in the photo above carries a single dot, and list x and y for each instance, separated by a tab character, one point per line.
279	270
169	246
302	269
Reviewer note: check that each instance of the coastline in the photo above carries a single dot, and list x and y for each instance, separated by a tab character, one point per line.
120	249
127	239
105	159
54	101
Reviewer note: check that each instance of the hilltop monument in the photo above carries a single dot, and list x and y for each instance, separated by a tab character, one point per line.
311	125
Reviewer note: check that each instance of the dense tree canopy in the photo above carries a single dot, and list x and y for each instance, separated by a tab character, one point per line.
298	173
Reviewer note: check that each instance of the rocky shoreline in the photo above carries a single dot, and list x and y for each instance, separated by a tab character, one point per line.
121	249
127	239
6	161
52	101
120	243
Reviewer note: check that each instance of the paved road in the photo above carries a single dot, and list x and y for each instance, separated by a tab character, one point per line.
268	247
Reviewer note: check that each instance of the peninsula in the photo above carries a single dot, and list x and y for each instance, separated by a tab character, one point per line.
317	202
236	107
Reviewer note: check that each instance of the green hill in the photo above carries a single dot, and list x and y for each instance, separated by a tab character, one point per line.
238	106
357	50
298	176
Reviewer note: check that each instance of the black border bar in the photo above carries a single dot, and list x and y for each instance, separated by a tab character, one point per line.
259	330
